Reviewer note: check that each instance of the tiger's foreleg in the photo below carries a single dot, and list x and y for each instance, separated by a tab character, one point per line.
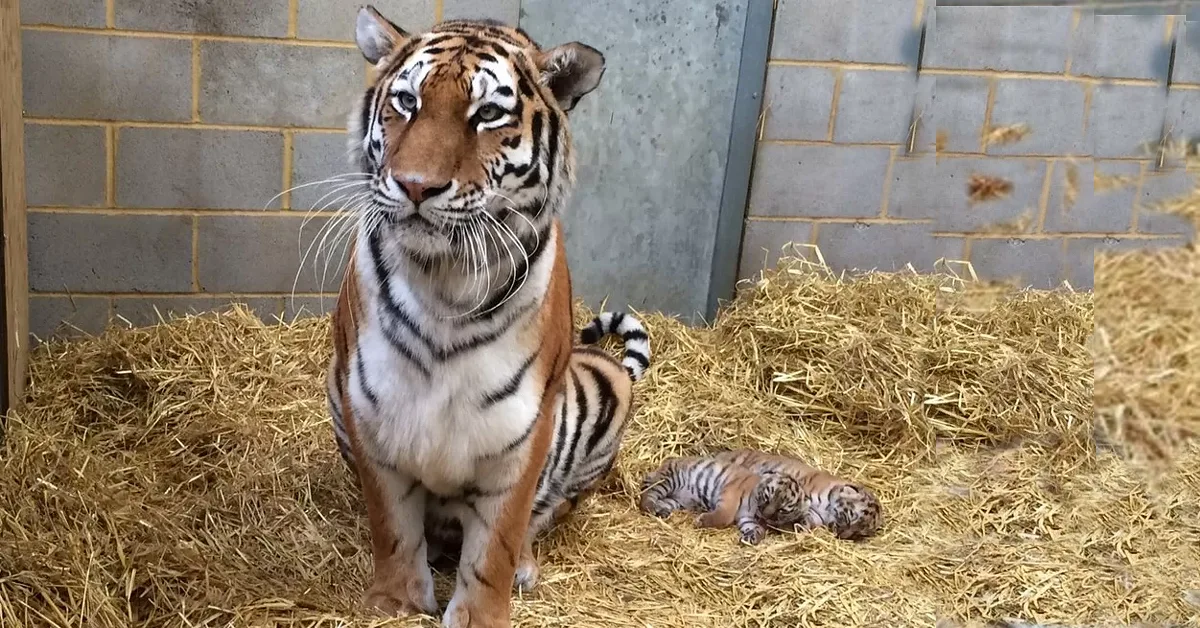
747	518
495	529
735	504
402	583
528	569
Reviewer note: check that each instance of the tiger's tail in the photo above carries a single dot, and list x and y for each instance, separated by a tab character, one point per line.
637	342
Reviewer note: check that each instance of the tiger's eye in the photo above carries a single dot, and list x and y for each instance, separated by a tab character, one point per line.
407	100
489	113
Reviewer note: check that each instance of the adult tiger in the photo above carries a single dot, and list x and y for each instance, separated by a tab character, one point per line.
452	331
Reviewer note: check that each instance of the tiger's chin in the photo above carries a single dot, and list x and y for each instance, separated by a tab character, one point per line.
419	239
462	241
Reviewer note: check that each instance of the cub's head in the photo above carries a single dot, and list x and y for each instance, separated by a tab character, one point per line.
463	133
782	501
852	512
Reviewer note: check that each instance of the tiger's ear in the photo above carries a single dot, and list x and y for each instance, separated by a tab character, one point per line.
376	36
570	71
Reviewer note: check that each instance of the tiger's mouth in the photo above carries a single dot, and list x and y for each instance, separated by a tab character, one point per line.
417	220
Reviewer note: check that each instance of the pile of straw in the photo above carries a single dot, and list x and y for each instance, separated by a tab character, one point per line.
1147	348
185	475
1147	352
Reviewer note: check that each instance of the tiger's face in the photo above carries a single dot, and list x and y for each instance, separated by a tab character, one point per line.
463	134
782	502
854	512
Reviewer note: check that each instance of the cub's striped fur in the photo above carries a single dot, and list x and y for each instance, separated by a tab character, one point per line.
453	331
589	422
756	490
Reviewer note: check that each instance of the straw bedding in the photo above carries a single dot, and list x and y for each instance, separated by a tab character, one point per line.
1147	346
185	475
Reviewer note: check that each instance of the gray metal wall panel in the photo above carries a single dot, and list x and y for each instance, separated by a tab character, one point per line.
651	144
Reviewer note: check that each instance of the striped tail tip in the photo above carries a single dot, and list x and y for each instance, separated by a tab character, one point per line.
637	342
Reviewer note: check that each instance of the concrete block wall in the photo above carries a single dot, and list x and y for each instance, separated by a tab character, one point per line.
160	140
869	142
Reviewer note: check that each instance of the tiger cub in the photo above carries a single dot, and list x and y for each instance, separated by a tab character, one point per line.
756	490
589	422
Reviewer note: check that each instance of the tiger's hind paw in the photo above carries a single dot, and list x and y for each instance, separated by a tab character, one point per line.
659	508
400	593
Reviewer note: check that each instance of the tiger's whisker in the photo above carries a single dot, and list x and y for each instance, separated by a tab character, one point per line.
525	275
340	216
335	178
345	235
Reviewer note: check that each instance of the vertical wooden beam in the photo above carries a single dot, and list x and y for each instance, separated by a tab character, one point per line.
918	113
1164	138
15	337
743	139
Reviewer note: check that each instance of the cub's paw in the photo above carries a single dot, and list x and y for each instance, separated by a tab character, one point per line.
661	509
753	535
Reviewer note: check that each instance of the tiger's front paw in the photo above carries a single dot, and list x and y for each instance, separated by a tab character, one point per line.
527	574
389	604
459	616
753	534
400	594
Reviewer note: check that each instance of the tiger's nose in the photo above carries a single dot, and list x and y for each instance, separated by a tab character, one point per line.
418	190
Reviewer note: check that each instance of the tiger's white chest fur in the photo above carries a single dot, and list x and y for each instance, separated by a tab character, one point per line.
430	408
439	430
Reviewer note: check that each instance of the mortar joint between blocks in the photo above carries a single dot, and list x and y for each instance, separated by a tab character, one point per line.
1076	17
293	18
195	80
285	200
204	37
887	184
1044	197
833	107
195	253
110	165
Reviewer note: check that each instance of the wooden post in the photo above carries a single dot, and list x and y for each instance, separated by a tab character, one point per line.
14	342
